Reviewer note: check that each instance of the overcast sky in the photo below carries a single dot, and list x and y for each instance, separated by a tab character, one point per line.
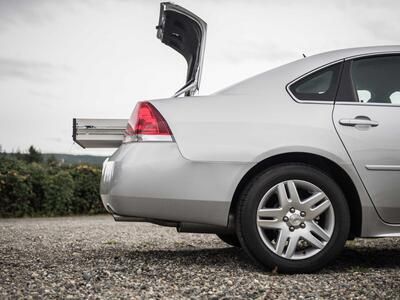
70	58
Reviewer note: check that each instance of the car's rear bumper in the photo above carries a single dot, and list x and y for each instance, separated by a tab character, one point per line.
153	180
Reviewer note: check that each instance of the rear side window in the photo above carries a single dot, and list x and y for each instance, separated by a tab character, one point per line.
318	86
377	79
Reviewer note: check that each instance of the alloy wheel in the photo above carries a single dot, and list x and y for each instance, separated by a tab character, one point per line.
295	219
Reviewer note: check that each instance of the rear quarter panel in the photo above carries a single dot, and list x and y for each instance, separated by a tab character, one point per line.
249	128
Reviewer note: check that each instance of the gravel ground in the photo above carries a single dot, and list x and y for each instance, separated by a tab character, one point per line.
94	257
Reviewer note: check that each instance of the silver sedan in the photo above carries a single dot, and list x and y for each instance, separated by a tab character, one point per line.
288	164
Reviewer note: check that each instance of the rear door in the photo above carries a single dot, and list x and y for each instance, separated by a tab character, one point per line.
367	118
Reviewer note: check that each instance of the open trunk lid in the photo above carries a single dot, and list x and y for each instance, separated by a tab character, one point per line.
181	30
184	32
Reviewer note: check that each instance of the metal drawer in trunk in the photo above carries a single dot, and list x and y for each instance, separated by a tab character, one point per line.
98	133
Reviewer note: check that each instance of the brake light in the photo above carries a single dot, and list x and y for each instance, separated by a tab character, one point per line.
147	124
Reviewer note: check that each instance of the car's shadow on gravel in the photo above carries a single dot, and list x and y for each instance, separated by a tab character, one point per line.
213	258
363	258
351	259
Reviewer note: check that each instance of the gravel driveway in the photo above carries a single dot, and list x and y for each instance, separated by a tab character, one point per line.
94	257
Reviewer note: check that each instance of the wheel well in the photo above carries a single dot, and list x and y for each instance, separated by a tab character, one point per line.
322	163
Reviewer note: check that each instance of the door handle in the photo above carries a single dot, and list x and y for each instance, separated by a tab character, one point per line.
358	121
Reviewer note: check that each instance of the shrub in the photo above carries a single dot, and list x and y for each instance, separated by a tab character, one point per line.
86	192
37	175
15	192
58	193
47	189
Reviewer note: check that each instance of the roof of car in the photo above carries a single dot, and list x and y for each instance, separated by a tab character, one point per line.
284	74
350	52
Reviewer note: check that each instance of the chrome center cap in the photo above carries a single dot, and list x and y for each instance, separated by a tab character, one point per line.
295	220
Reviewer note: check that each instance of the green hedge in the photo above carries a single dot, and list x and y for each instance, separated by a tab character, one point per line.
47	189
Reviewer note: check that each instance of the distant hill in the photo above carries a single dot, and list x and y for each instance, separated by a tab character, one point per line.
34	155
75	159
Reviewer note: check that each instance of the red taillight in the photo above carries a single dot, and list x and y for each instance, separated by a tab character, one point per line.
147	124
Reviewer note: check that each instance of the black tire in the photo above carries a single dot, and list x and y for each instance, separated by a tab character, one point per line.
246	225
230	239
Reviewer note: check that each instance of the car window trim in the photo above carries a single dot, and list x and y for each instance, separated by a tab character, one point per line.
346	85
366	104
388	53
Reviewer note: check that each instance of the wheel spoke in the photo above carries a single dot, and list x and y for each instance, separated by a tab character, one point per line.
281	242
319	209
313	240
291	248
319	231
271	224
270	213
282	196
293	194
314	199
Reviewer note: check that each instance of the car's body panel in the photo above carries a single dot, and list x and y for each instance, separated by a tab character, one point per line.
375	151
238	129
374	226
153	180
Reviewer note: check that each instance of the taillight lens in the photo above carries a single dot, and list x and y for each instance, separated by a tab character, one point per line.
147	124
